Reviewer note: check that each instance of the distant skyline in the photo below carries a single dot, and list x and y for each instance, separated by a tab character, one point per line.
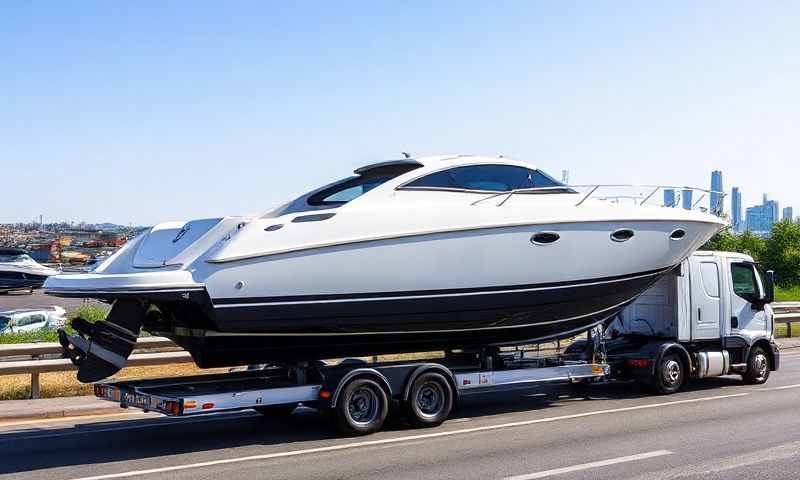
155	111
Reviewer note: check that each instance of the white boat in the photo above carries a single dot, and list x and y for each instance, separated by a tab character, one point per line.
18	271
406	255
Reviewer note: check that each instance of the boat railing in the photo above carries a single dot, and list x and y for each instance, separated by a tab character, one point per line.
689	198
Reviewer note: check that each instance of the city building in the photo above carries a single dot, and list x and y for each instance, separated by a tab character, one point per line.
736	210
715	205
788	214
761	218
669	197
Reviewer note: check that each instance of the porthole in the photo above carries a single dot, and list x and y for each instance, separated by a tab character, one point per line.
272	228
677	234
622	235
545	238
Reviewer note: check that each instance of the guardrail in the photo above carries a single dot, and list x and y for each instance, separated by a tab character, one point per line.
36	365
785	312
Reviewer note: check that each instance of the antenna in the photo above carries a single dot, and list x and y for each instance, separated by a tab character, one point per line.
406	154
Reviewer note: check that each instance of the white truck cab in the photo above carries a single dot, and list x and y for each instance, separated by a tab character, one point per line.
710	317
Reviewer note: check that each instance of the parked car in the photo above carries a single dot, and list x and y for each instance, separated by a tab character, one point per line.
29	319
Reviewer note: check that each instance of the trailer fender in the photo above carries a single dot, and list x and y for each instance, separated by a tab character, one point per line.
361	372
431	367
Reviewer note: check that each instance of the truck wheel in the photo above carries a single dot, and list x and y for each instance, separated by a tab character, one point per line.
670	375
362	408
429	401
757	367
276	411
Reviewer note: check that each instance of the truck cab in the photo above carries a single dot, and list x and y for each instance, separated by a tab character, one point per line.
709	317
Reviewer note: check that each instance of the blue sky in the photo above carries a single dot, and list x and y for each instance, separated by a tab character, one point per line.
149	111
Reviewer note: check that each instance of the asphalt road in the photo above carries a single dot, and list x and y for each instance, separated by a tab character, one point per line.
716	429
38	299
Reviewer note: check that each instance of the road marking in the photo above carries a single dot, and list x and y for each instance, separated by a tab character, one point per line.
587	466
220	417
70	418
386	441
784	387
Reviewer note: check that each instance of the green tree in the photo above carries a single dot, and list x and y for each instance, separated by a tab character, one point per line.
751	244
782	253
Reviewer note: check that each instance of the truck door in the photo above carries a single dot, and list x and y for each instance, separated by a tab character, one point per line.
705	302
746	289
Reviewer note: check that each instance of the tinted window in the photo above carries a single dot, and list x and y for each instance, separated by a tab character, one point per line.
744	281
347	190
496	178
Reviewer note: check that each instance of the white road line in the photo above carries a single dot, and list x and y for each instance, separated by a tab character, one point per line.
222	417
386	441
784	387
71	418
587	466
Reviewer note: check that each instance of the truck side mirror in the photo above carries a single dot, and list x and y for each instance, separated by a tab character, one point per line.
769	293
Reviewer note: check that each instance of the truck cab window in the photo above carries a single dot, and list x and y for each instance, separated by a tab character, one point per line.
744	281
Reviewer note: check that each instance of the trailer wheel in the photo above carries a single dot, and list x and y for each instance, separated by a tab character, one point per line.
429	401
362	408
757	367
276	411
670	375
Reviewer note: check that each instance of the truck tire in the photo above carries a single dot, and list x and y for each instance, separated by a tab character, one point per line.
362	408
670	375
757	367
430	400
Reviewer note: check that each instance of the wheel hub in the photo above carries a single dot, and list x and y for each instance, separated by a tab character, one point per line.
430	398
672	372
363	406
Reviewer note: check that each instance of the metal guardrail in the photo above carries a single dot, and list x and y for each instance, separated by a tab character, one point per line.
36	365
785	312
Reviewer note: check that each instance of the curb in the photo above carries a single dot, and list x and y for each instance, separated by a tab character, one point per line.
64	412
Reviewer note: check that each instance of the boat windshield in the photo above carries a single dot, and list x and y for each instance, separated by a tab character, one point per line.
4	321
343	191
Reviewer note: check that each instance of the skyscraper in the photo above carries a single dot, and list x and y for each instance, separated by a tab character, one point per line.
788	214
715	199
736	209
760	218
669	197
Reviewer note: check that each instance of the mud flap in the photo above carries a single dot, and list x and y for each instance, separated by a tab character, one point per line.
101	349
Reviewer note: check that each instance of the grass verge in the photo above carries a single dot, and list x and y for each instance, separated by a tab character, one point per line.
789	294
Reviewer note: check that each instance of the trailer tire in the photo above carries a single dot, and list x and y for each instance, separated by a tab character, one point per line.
670	375
362	407
757	367
430	400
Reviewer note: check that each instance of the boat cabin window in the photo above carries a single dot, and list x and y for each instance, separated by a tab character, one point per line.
494	178
347	190
13	258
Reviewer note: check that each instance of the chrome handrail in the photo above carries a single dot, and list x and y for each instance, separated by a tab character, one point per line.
644	198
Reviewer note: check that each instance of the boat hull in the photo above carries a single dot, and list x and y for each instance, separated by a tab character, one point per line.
21	281
329	327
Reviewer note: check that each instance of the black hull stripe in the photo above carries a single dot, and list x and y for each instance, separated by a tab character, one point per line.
223	302
212	333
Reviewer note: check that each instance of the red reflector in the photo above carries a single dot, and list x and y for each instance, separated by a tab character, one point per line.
639	362
206	406
324	394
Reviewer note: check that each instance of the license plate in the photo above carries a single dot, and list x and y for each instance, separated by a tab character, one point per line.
136	400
